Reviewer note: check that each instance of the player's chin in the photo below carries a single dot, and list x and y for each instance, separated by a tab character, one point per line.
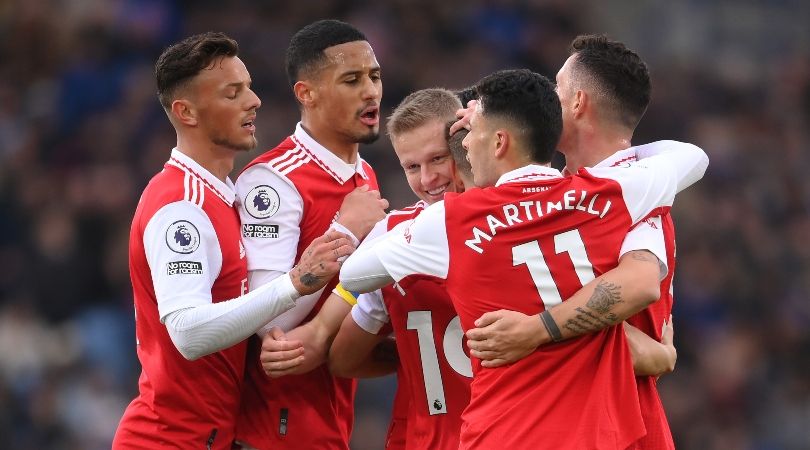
369	136
245	145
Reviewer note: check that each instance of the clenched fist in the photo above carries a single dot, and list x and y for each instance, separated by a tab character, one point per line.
361	210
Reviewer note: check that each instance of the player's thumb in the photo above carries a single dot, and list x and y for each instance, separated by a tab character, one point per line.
277	334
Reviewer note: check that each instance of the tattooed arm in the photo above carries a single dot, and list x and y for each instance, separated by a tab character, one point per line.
502	337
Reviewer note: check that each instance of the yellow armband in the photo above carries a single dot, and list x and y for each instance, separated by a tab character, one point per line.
349	297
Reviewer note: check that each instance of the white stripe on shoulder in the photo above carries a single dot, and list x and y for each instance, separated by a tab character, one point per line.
296	165
186	185
201	190
195	189
280	161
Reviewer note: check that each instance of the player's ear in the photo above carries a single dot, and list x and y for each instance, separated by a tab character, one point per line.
305	92
581	102
502	142
183	111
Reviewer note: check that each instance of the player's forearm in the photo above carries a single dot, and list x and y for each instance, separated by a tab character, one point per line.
367	362
200	330
607	300
352	353
292	318
650	357
322	330
364	272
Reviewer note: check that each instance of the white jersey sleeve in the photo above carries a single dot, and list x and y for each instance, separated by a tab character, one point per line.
370	312
417	247
689	176
270	211
647	235
182	277
654	181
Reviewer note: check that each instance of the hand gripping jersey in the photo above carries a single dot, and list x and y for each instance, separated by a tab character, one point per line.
184	240
290	195
650	320
434	363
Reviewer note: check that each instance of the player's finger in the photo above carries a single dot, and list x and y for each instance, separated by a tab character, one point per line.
480	345
280	356
279	367
277	334
477	334
498	362
488	318
486	355
458	125
280	346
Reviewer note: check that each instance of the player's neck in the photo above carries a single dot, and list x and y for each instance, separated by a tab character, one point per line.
217	160
591	150
332	141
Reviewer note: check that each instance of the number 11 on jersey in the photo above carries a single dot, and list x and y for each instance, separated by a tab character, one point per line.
531	254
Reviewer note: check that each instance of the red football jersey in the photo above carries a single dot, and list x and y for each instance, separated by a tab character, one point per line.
651	320
195	247
312	410
434	363
525	245
575	394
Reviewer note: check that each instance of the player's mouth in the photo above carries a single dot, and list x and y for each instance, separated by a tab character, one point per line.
438	193
249	124
370	116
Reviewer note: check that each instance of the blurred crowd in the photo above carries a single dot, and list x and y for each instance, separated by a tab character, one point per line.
81	133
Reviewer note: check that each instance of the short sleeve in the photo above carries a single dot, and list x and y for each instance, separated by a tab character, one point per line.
370	313
270	212
647	235
184	256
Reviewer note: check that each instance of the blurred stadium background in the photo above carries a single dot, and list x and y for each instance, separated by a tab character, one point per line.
81	132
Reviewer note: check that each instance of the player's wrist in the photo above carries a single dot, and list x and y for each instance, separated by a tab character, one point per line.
305	283
549	331
355	227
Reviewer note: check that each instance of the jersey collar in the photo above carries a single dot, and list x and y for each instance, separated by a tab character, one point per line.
224	190
532	172
329	162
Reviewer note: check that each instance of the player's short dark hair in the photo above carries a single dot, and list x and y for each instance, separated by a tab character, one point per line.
457	150
466	94
305	51
184	60
619	72
529	102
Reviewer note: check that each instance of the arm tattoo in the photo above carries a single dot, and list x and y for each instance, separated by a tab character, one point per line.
643	255
599	312
604	297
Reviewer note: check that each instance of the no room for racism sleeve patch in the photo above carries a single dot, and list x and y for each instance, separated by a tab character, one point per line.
257	230
184	268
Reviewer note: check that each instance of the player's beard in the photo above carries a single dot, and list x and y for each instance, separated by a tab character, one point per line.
368	138
224	141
